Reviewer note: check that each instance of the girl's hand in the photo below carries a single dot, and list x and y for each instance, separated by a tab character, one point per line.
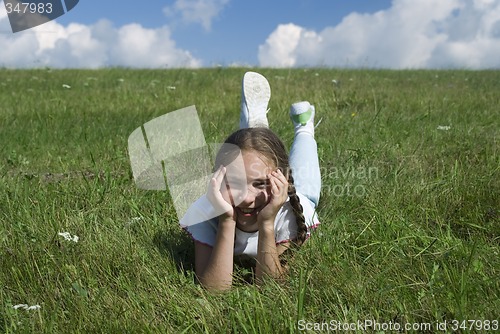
214	194
278	184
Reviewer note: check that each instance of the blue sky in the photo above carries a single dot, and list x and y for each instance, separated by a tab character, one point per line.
236	32
294	33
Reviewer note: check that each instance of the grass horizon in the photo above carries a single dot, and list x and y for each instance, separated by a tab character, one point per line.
409	205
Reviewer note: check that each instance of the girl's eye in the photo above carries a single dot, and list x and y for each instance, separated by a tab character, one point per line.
260	185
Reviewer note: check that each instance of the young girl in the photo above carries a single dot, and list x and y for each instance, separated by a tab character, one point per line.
263	208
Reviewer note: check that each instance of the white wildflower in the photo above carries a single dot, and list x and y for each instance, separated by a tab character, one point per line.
171	87
66	86
132	221
26	307
121	80
67	236
444	127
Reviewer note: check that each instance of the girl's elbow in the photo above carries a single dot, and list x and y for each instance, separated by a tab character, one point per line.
216	286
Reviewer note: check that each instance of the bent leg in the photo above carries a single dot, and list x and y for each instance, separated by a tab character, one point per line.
305	166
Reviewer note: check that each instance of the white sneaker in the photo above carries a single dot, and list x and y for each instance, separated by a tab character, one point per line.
302	115
255	95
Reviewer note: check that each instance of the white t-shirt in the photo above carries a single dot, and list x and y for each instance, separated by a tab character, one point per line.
245	243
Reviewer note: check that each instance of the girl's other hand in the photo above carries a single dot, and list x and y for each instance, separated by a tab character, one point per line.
278	185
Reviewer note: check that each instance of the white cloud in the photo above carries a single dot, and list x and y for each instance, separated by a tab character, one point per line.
196	11
281	46
411	34
93	46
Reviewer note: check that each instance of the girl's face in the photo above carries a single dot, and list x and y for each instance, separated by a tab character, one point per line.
249	192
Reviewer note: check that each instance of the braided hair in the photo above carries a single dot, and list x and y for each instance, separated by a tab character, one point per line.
267	143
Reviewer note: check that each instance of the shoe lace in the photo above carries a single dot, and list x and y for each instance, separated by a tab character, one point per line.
318	123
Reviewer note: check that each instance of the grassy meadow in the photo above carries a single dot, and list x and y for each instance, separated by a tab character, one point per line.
410	203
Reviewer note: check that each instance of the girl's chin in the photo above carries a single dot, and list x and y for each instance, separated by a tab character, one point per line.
247	223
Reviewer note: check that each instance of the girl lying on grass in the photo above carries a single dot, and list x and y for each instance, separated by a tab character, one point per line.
262	209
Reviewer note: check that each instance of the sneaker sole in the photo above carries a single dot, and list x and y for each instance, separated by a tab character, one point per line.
257	93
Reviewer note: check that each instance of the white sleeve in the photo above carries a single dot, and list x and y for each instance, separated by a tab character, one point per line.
205	232
200	211
200	221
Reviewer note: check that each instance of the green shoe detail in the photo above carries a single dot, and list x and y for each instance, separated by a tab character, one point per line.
302	118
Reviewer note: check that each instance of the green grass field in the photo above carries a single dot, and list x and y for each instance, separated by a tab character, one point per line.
410	228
